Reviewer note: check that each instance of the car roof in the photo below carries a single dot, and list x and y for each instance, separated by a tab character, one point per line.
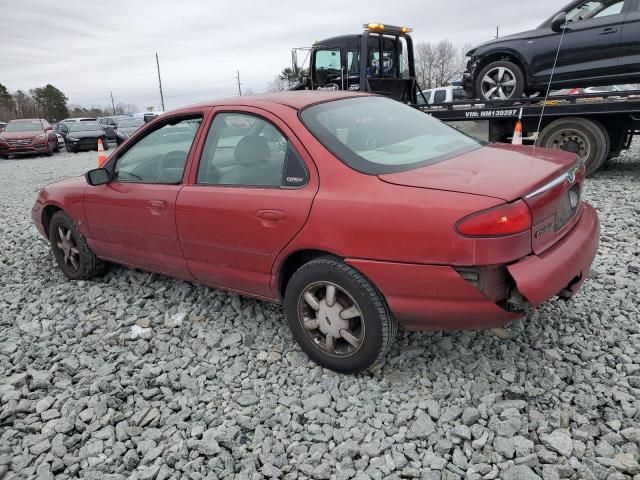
26	120
297	99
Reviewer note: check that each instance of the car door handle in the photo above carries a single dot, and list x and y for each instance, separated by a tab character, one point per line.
273	215
157	204
608	31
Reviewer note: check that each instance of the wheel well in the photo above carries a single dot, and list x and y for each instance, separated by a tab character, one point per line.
47	214
498	56
293	262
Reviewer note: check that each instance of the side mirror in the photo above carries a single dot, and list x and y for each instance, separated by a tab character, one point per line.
97	176
48	129
559	22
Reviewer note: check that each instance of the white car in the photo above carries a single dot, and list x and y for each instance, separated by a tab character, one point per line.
60	141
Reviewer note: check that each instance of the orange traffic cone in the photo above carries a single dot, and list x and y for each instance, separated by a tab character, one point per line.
517	133
102	158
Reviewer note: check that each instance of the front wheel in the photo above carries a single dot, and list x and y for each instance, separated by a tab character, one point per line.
70	249
337	316
500	80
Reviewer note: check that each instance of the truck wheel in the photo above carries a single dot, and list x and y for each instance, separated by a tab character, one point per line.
586	138
70	249
500	80
337	316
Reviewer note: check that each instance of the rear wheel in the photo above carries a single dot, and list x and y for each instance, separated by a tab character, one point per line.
500	80
105	143
337	316
586	138
70	249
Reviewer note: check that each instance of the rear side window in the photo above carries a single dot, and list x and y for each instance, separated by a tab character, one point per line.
377	135
249	151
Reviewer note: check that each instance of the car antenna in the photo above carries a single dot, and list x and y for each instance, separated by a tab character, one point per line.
546	97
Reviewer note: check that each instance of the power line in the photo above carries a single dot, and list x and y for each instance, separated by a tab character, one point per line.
160	82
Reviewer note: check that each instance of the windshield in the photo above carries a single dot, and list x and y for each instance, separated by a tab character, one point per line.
376	135
130	122
84	127
30	126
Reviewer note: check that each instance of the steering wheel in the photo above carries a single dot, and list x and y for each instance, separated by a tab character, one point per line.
171	166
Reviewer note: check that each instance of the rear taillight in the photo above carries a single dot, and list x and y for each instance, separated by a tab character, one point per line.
502	221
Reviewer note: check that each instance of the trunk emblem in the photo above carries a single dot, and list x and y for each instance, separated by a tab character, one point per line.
571	174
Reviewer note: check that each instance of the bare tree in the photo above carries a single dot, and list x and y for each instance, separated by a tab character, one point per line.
278	85
437	64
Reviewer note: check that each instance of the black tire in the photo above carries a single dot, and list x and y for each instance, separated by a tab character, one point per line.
50	151
105	144
88	265
377	329
587	138
512	72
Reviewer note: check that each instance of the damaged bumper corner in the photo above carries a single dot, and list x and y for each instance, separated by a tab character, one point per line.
562	269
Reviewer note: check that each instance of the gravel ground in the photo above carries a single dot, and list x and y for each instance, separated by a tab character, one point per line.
217	388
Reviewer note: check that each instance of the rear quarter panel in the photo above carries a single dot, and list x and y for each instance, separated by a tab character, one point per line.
359	216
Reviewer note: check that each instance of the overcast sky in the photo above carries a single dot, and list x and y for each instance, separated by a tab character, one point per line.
89	47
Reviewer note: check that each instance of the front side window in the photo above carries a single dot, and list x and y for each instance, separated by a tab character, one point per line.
376	135
246	150
328	63
595	9
160	156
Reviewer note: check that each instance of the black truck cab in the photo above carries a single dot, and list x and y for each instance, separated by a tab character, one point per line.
388	67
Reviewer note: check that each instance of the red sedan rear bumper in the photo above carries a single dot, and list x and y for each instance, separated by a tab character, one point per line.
565	266
434	297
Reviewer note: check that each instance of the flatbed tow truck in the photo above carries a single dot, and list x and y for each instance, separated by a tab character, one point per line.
596	127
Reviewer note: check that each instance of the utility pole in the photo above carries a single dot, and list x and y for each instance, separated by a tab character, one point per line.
112	104
239	84
160	82
497	32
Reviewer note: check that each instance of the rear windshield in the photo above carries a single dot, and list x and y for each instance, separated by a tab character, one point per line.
34	126
377	135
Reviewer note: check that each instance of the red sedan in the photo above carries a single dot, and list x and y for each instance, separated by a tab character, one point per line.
356	212
28	136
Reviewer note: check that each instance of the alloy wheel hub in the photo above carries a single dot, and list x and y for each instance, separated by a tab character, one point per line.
329	319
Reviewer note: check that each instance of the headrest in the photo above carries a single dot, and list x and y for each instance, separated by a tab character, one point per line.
252	150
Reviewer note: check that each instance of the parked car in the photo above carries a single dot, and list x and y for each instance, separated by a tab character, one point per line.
2	125
357	212
110	124
437	95
126	126
61	128
60	140
28	136
601	46
84	136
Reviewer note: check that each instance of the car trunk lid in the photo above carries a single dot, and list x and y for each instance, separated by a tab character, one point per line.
549	182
